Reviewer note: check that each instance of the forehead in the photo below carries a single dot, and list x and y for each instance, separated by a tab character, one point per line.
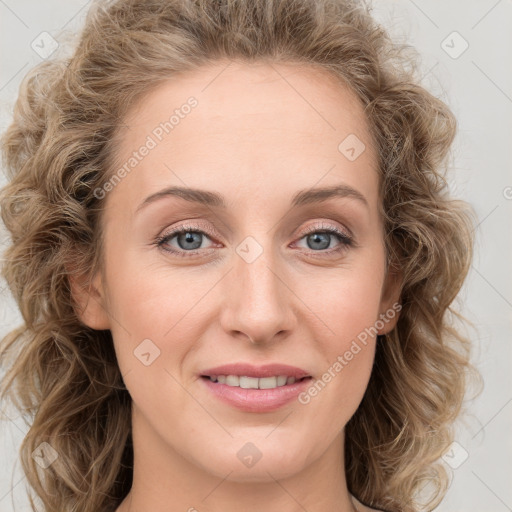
253	125
229	91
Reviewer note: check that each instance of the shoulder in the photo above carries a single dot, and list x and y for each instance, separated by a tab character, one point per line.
364	508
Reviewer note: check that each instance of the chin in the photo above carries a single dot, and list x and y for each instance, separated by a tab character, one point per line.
260	460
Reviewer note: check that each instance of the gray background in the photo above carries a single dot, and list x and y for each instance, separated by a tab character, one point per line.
477	84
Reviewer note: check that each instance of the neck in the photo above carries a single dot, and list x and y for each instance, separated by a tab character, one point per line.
166	481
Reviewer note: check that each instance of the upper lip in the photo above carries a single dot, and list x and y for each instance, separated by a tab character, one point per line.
249	370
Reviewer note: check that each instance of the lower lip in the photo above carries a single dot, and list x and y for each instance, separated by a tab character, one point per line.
257	400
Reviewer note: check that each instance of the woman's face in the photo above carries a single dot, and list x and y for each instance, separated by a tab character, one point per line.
262	278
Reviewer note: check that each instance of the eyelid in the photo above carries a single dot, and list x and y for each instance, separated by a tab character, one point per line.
191	226
315	225
312	228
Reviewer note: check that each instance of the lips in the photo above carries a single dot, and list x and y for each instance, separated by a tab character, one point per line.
255	389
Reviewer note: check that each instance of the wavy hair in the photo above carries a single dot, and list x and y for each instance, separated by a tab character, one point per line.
60	147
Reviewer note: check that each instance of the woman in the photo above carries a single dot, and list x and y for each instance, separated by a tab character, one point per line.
299	354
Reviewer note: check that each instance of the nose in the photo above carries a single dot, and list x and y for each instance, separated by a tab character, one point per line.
258	302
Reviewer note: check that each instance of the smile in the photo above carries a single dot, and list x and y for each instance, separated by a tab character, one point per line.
245	382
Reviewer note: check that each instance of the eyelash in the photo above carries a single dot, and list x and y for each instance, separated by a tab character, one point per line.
345	239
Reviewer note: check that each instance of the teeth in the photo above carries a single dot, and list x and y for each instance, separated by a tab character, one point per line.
249	382
253	382
281	380
268	383
232	380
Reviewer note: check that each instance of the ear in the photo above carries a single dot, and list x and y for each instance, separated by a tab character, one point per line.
89	300
390	300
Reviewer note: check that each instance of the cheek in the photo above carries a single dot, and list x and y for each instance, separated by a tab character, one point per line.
347	309
146	304
345	302
334	396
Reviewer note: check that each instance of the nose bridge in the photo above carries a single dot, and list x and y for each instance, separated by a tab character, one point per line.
254	269
258	297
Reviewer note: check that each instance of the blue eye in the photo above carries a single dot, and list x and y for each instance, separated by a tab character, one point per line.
189	240
188	237
319	239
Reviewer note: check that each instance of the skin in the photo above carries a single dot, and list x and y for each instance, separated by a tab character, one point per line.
260	133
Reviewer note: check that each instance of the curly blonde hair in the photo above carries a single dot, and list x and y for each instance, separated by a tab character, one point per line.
60	148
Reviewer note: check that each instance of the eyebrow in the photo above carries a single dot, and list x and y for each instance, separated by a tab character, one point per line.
215	200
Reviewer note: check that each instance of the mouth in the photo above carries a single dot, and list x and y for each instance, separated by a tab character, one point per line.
255	388
250	393
247	382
